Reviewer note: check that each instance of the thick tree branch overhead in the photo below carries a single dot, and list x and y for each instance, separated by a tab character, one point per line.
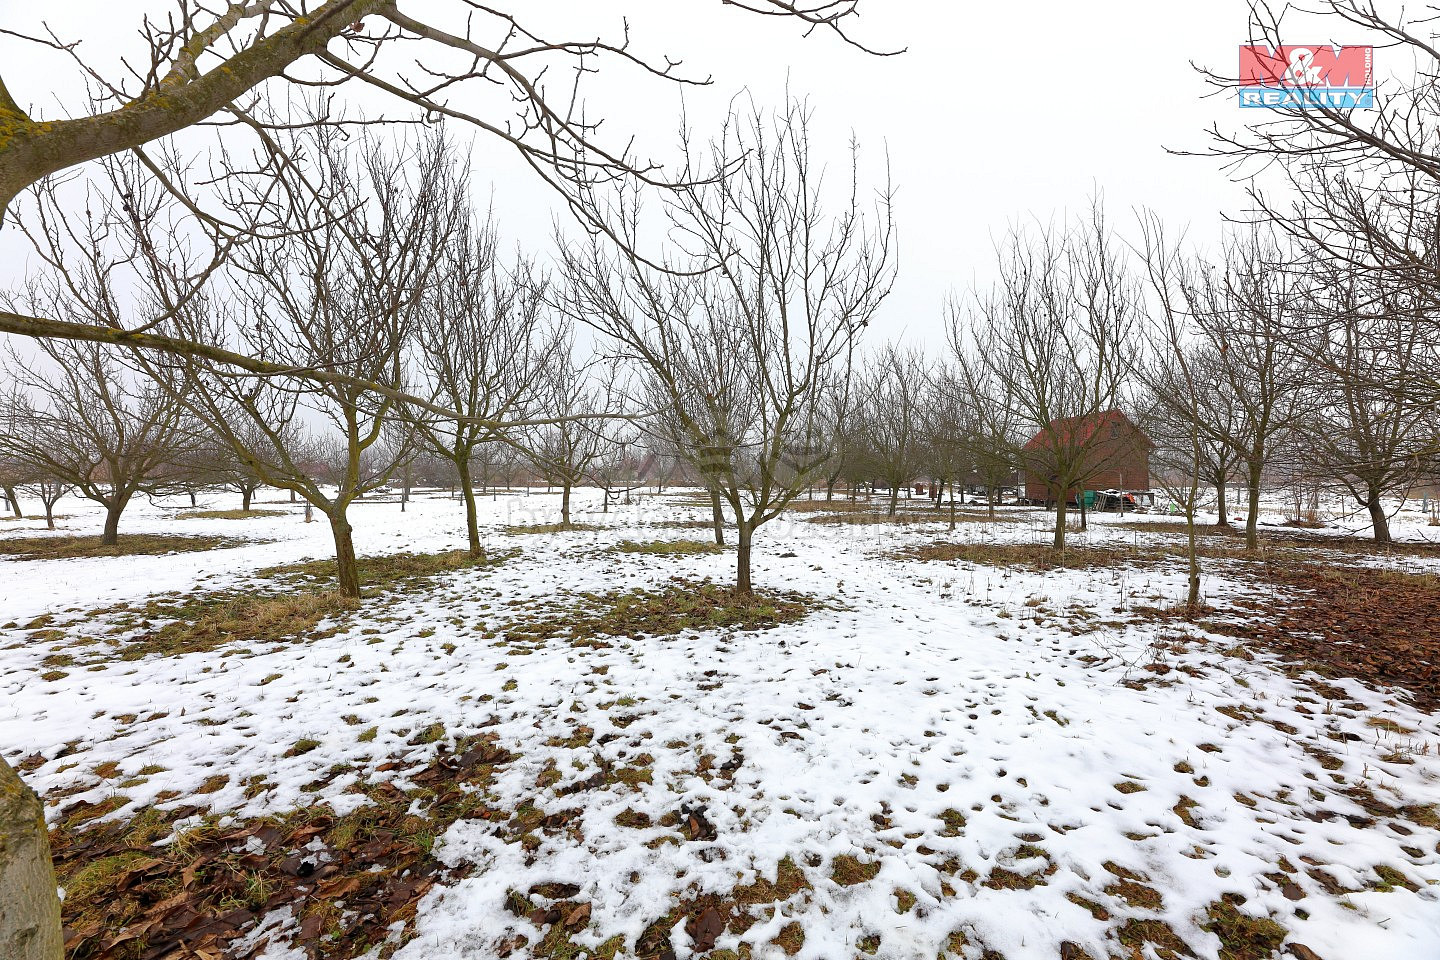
436	59
205	56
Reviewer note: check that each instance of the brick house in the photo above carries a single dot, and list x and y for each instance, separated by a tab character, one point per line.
1117	455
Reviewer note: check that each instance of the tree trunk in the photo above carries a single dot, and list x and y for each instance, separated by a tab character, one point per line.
1378	520
292	496
347	575
894	499
1060	506
952	504
1222	506
742	557
13	499
990	502
1252	520
1192	597
1084	521
717	516
193	504
246	493
472	516
49	516
29	903
113	509
565	505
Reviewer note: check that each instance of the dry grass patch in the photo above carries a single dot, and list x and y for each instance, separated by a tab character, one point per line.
175	626
388	572
527	529
228	514
1030	556
669	548
870	518
130	545
678	606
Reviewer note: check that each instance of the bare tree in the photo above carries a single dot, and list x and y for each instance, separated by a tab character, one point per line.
1246	310
566	449
343	291
50	492
984	411
479	347
1363	433
88	422
890	418
1361	188
1059	331
1178	410
755	318
13	474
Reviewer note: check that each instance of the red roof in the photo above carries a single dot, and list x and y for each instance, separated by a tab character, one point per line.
1079	430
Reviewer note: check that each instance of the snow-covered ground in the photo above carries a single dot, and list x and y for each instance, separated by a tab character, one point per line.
1001	744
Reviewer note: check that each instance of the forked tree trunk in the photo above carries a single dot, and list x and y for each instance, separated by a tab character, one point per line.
29	903
347	574
743	535
717	517
894	499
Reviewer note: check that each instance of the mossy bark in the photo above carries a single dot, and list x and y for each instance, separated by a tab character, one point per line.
29	903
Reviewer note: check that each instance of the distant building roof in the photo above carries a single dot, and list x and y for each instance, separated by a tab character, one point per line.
1079	430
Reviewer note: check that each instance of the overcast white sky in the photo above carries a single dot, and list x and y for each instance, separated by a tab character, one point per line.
998	112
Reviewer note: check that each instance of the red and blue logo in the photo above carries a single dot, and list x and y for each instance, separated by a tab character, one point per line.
1307	77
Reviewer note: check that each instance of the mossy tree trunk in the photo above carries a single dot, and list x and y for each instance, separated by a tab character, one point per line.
347	573
472	514
744	536
29	903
